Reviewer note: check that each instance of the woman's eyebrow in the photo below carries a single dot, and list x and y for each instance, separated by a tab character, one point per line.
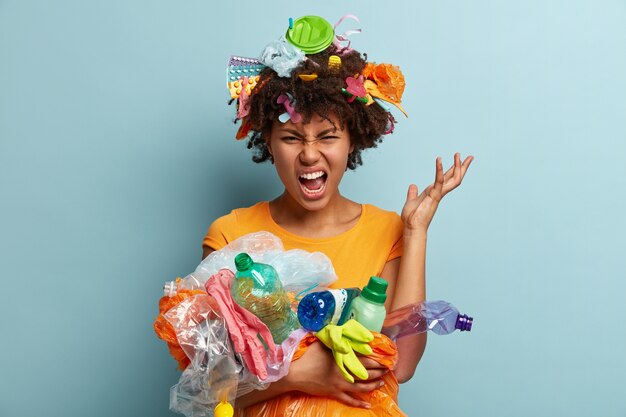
327	131
293	132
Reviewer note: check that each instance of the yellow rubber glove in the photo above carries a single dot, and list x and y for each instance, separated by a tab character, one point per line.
344	340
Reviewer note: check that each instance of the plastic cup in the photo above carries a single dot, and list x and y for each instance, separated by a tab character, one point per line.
311	34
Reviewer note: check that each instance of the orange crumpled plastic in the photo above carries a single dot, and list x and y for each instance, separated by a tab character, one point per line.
164	329
388	78
384	400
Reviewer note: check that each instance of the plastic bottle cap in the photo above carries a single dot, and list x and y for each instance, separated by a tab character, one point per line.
312	34
243	262
375	290
169	289
464	323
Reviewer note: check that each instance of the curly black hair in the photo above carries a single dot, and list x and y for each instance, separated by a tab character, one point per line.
323	97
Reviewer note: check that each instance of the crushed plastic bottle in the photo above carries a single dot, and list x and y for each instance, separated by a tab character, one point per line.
440	317
258	289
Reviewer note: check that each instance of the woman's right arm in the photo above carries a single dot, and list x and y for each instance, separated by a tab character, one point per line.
317	374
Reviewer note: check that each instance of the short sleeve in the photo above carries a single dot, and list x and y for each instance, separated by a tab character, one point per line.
220	232
397	230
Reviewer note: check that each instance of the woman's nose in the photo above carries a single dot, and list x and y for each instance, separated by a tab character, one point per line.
309	152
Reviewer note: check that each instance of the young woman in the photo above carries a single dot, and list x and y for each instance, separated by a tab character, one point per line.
311	151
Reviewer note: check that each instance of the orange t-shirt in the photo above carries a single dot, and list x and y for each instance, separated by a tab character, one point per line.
356	254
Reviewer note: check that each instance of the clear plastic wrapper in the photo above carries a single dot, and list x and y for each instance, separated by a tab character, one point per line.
282	57
213	374
300	271
277	367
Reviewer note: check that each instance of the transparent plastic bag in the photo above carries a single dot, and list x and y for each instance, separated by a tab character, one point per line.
213	374
281	56
299	271
277	367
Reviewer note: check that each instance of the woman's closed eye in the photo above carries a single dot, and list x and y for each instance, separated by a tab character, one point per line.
324	139
291	139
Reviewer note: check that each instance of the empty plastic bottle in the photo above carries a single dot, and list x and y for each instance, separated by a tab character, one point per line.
439	317
369	307
258	289
318	309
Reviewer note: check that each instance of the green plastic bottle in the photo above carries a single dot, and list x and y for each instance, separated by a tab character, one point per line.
369	307
258	289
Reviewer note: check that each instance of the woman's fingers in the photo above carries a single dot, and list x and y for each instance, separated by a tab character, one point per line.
412	192
412	200
457	166
366	386
466	165
458	172
375	374
449	173
443	184
370	363
439	180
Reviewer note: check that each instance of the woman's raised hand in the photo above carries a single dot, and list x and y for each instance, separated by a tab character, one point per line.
419	209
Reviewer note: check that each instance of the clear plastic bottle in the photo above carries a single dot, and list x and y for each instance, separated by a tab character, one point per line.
369	307
318	309
190	282
440	317
258	289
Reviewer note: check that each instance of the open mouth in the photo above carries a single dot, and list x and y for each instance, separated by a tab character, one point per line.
313	183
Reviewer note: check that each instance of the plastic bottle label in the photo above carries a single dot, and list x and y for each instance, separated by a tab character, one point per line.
341	298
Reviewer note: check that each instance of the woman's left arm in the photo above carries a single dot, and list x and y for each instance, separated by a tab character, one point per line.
407	275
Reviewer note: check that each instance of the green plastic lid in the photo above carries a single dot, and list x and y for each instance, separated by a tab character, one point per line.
243	262
375	290
312	34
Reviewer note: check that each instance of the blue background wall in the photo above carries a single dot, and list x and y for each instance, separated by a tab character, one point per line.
117	151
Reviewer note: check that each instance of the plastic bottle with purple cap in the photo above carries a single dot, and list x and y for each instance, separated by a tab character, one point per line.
439	317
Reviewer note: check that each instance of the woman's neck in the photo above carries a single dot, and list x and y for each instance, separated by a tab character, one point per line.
338	216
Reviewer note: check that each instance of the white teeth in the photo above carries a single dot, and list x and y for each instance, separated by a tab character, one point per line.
312	175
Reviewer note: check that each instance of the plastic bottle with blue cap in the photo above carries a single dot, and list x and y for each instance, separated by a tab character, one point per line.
319	309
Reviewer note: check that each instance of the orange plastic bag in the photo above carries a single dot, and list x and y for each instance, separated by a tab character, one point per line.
165	331
383	400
